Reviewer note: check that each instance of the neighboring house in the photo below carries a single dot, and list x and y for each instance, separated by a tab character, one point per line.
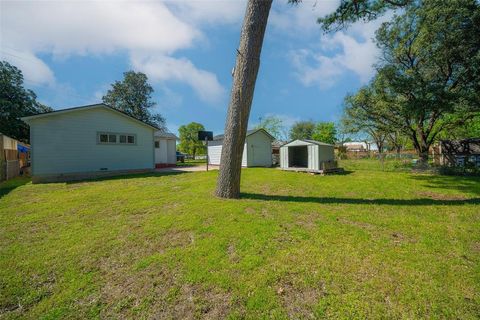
360	146
460	152
88	141
356	146
165	149
257	151
307	155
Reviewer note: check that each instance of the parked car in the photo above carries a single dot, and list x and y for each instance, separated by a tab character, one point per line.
180	157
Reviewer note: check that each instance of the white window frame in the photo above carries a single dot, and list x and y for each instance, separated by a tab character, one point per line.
117	138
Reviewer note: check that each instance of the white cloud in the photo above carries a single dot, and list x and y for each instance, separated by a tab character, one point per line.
209	12
313	69
345	51
152	30
77	27
35	71
292	19
163	68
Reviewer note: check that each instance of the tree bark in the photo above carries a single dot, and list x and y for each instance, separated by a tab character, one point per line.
245	75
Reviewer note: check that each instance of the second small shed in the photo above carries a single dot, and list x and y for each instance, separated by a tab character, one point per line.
307	155
257	151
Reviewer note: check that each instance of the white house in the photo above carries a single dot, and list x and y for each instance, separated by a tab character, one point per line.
165	149
307	155
89	141
257	151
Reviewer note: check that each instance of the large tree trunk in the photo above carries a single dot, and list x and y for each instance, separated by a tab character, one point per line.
245	75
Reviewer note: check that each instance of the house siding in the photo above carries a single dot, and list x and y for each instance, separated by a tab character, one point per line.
259	150
215	154
67	143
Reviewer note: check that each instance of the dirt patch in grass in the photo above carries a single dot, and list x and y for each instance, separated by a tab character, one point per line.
440	196
249	210
156	293
399	238
299	300
178	238
196	302
359	224
232	253
476	247
137	283
309	221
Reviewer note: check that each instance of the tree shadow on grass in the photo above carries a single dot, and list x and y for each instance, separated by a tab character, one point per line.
464	184
7	186
336	200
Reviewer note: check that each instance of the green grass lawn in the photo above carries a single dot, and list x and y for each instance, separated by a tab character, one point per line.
192	162
367	244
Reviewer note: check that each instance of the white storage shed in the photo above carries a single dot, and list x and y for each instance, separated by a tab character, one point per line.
257	151
307	155
165	149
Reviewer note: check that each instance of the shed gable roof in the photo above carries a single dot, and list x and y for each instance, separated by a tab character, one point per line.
249	133
87	107
167	135
306	142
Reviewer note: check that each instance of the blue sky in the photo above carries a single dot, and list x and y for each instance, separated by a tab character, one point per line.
71	51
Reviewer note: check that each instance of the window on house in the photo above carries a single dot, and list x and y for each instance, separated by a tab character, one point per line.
115	138
460	161
157	144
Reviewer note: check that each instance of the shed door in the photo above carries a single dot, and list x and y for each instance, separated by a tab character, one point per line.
161	151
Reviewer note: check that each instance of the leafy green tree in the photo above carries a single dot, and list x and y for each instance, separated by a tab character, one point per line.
325	132
428	81
350	11
133	95
274	125
302	130
358	117
471	129
189	142
16	102
396	141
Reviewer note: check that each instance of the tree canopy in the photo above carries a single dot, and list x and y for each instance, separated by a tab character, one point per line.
428	79
325	132
16	102
133	95
189	142
302	130
350	11
274	125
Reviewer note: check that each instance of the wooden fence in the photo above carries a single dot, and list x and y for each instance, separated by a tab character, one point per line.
12	169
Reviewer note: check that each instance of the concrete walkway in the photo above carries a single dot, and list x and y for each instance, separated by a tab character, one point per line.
187	168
